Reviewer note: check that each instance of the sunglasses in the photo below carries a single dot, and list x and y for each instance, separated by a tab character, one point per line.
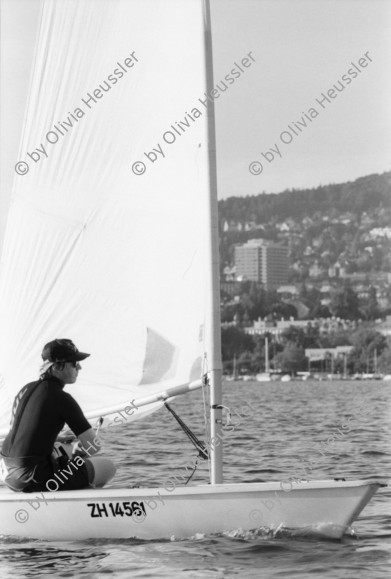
74	364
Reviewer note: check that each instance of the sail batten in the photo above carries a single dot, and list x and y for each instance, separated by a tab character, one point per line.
94	250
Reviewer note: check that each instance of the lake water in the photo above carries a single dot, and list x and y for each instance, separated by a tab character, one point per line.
290	422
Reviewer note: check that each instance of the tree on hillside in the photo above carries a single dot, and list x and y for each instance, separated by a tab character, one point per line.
365	343
371	307
291	360
293	335
230	312
384	361
282	310
345	304
319	311
234	342
338	337
258	356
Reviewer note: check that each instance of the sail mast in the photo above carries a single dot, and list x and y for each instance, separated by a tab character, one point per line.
214	363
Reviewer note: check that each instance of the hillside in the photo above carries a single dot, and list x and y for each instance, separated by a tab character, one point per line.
345	225
362	195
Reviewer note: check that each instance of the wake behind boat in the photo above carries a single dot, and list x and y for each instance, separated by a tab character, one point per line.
112	238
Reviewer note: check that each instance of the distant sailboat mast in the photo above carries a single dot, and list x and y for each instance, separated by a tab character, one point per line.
214	317
267	363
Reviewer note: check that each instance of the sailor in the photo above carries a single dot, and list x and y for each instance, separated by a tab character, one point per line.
40	411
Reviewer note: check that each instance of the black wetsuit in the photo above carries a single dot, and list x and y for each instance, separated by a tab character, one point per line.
40	411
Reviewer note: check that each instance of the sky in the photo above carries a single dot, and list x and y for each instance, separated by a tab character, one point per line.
299	49
302	48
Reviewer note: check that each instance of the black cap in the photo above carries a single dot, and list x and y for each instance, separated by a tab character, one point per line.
62	351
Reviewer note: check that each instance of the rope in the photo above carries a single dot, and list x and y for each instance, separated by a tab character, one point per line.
192	474
199	444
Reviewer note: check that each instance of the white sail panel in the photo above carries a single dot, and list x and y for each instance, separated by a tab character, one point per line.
115	261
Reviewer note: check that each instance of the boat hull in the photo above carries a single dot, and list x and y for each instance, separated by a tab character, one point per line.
327	507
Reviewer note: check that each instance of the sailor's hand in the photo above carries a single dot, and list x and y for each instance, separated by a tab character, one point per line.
62	449
77	449
66	439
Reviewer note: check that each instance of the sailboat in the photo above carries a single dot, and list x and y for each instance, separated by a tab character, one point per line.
112	240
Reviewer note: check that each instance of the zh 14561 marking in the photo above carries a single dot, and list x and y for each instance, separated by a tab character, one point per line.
134	509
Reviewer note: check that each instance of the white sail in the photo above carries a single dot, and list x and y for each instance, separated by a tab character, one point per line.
114	260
